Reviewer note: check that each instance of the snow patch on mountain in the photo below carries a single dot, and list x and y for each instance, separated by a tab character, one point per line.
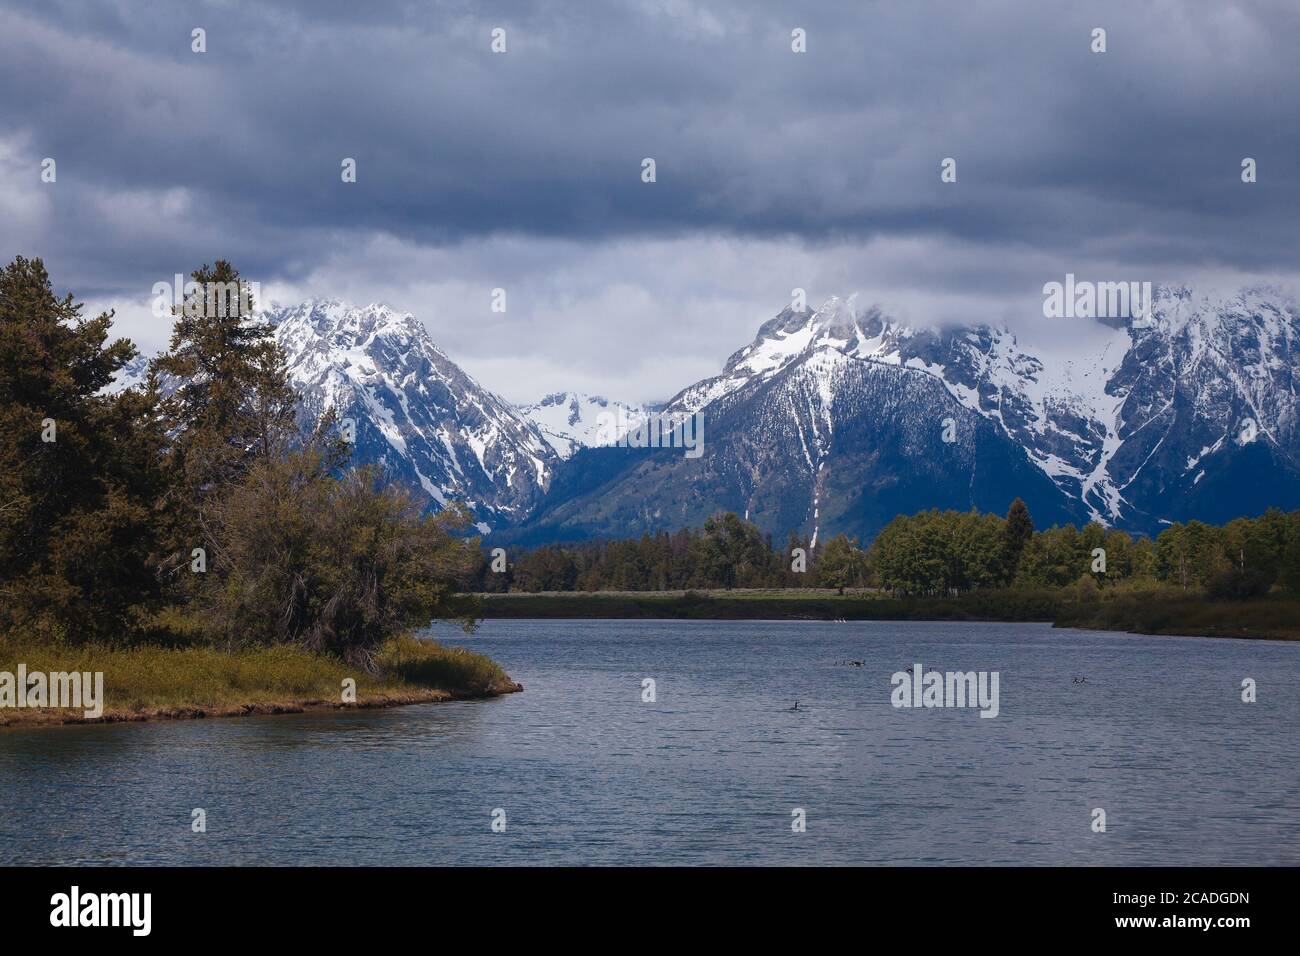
134	374
573	420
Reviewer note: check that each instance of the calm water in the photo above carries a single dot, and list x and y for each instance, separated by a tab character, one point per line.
587	773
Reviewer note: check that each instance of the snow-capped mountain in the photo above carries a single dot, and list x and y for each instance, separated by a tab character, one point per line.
840	418
573	420
1131	427
1208	425
416	413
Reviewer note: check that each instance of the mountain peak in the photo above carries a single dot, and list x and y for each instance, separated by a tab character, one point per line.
837	313
573	420
417	414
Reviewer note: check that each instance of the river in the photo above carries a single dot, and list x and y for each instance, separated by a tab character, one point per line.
581	768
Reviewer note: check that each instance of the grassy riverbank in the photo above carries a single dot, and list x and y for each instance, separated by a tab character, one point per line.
1273	617
154	683
1158	611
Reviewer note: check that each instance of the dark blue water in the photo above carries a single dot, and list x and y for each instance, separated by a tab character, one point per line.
587	773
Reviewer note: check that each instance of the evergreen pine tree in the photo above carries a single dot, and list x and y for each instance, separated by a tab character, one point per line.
232	404
1019	529
78	468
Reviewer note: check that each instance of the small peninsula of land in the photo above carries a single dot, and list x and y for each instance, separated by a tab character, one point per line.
157	683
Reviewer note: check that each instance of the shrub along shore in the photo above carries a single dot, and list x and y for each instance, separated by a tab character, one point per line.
154	683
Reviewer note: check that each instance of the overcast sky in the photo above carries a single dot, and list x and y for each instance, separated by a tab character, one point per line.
522	170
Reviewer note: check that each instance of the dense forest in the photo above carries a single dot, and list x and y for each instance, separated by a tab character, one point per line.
195	514
931	553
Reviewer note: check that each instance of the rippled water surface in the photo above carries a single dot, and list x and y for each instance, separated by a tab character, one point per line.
1157	735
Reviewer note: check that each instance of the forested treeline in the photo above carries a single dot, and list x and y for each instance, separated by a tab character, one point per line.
199	515
931	553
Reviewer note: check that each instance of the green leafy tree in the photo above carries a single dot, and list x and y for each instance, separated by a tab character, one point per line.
1091	540
841	564
1289	561
1121	563
335	565
1055	558
980	554
910	556
730	552
1187	555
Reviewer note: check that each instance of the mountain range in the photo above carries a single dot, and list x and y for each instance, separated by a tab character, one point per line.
836	419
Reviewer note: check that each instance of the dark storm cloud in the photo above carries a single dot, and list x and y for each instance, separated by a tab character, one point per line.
775	170
1137	149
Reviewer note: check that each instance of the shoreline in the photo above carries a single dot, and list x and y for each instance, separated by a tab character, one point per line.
55	717
1154	613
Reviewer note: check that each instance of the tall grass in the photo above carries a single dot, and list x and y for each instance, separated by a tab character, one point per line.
157	678
426	664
